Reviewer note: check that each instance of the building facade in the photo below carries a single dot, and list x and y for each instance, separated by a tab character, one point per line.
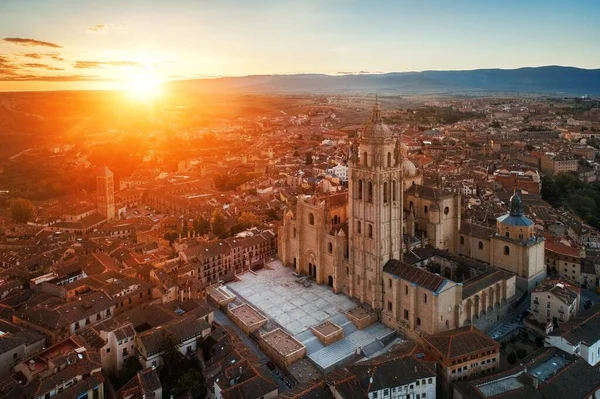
356	241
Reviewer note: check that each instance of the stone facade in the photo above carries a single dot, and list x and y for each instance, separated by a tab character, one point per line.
356	242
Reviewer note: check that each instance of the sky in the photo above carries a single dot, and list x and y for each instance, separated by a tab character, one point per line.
85	44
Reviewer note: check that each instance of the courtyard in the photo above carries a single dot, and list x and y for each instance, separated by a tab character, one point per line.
296	307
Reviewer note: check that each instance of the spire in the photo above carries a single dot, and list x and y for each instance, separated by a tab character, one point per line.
376	110
516	205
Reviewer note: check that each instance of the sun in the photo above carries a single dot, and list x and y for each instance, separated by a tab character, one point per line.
144	87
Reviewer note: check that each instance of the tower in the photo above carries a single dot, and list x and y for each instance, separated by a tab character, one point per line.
105	191
375	208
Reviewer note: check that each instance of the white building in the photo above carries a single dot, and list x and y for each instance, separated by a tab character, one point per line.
339	171
580	336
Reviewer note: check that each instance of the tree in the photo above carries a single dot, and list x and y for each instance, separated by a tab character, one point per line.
174	362
193	382
22	210
528	147
248	219
217	223
272	214
201	226
171	235
521	353
496	125
511	358
308	160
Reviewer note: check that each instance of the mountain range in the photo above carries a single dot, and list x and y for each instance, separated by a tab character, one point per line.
534	80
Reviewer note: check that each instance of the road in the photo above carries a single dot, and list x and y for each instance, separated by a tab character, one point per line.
222	319
509	324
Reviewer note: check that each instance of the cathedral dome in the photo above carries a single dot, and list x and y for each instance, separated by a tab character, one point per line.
409	168
375	128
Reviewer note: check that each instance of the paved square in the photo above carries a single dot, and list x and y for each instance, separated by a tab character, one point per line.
276	294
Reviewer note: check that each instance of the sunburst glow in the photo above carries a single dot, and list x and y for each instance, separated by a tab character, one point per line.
144	87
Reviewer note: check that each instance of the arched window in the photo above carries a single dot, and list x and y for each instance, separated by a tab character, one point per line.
410	205
480	245
425	298
370	192
462	240
360	189
426	209
385	192
389	306
506	250
370	231
393	190
365	163
330	247
418	321
311	219
446	210
507	234
358	227
389	163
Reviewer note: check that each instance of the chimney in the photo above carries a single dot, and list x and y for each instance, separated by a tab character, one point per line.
31	365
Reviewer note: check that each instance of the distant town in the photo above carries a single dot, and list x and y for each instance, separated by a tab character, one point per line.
299	246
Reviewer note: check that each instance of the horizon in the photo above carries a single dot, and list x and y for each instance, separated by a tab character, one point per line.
73	45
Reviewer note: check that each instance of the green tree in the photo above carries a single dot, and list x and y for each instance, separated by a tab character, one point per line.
22	210
511	358
248	219
201	226
191	382
308	160
273	214
217	223
175	363
550	191
171	235
521	353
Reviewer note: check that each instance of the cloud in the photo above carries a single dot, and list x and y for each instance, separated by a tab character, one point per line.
39	56
102	28
30	42
42	66
102	64
40	78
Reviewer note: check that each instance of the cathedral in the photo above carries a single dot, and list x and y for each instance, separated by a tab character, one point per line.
397	246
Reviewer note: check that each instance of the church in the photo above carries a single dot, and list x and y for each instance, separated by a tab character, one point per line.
399	248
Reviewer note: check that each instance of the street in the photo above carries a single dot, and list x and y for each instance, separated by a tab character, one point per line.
221	318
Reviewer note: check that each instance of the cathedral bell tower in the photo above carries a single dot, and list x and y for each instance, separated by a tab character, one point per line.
375	204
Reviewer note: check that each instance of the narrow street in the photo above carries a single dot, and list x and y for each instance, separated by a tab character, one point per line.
221	318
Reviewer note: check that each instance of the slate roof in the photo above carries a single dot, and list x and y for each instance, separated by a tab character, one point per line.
476	230
573	379
421	277
460	342
583	328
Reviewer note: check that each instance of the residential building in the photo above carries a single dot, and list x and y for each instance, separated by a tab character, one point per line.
16	344
68	369
554	300
552	164
579	336
549	373
58	322
461	354
145	384
114	341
